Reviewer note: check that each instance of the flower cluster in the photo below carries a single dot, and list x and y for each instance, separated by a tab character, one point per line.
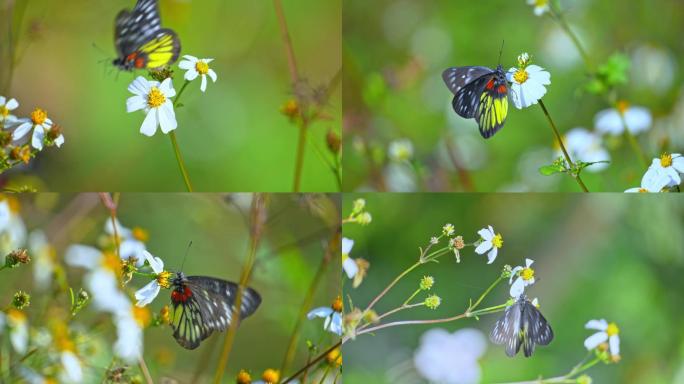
22	138
153	97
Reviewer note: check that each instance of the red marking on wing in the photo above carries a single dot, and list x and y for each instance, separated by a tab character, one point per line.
132	56
490	84
140	62
181	296
502	89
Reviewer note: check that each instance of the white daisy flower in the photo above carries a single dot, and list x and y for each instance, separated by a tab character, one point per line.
527	82
348	264
607	332
333	319
154	99
651	182
149	292
17	323
400	150
131	241
102	280
609	121
6	107
450	358
40	124
491	242
197	67
525	278
587	147
130	322
540	6
670	165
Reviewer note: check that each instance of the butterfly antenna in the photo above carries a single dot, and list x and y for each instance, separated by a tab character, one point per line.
501	50
186	255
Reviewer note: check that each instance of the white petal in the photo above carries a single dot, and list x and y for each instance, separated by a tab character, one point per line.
203	86
186	64
609	121
166	87
135	103
614	342
59	141
486	233
347	245
12	104
599	325
209	60
2	100
167	117
72	367
528	262
350	267
594	340
83	256
517	95
633	190
191	74
213	75
638	119
336	324
156	263
654	181
149	125
491	256
140	86
120	229
483	247
146	294
190	58
678	163
517	288
37	137
21	131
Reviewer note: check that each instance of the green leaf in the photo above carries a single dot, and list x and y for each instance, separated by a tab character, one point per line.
548	170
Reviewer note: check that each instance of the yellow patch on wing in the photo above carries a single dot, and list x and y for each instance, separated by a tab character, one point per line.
160	51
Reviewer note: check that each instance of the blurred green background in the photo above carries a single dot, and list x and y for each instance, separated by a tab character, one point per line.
615	257
289	255
395	51
233	137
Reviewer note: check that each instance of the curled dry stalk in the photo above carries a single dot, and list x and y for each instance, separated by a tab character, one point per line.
257	221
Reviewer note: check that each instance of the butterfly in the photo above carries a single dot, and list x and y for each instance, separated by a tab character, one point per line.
521	325
140	41
480	93
203	305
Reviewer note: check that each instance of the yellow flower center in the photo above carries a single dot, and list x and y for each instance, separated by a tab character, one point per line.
4	111
142	316
61	337
612	329
497	241
665	160
12	202
163	279
140	234
527	273
155	98
271	376
243	377
622	106
334	357
520	76
16	316
643	190
38	116
111	262
202	67
337	304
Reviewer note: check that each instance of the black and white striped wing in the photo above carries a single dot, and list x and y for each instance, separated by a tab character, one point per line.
506	329
134	28
456	78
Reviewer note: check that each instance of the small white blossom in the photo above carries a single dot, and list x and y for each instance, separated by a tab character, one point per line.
527	84
607	332
491	242
6	107
540	6
197	67
652	182
149	292
524	277
40	124
609	121
333	319
400	150
154	99
670	165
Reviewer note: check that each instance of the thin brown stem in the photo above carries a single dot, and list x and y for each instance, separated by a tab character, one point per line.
258	219
145	371
559	139
409	322
312	362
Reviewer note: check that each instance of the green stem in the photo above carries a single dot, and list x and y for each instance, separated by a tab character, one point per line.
411	297
392	284
562	146
485	293
558	16
179	159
